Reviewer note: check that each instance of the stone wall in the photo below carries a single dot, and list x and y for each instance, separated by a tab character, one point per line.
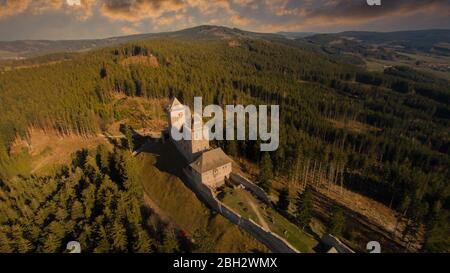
332	241
273	241
238	179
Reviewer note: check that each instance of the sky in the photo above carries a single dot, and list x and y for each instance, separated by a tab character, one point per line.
85	19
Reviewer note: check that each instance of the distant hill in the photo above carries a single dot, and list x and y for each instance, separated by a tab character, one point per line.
31	48
423	40
296	35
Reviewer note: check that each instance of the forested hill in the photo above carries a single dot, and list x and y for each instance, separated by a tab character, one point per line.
32	48
387	133
417	39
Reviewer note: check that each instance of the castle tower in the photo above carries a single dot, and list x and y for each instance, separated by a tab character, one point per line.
193	147
199	139
177	113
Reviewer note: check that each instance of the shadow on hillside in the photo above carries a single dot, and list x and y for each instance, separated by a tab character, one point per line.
171	161
168	159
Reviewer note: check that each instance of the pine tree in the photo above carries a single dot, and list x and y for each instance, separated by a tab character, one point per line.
437	238
304	208
102	158
232	148
170	243
142	242
102	242
337	223
77	211
21	244
283	199
51	244
5	244
128	132
203	242
265	178
119	237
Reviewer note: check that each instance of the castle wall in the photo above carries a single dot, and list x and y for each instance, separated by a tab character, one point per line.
332	241
238	179
273	241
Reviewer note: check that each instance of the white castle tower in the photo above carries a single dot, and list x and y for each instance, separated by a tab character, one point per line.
177	113
198	143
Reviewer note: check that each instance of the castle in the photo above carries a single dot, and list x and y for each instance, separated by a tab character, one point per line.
206	165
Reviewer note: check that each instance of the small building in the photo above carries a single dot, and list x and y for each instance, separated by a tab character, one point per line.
211	168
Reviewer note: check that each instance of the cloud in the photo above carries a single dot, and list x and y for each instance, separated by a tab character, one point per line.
259	15
82	8
73	2
136	10
239	20
12	7
351	12
307	15
127	30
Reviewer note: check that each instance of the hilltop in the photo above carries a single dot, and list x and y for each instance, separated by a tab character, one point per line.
31	48
428	40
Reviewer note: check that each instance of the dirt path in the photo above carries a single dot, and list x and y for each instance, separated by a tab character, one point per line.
258	214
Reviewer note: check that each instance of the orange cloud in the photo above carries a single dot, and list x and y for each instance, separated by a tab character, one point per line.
12	7
130	10
129	30
351	13
312	14
262	15
239	20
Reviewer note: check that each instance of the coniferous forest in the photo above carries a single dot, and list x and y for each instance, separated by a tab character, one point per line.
399	155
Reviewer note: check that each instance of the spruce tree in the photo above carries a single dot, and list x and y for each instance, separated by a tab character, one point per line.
203	242
77	211
119	237
266	172
304	208
283	199
337	223
170	243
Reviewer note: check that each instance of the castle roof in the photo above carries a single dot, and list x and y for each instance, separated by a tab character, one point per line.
210	160
175	103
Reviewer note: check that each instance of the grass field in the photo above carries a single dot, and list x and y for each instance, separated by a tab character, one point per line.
430	60
236	200
160	170
294	235
239	200
7	54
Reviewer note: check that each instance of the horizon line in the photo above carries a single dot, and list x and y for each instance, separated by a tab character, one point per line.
221	26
